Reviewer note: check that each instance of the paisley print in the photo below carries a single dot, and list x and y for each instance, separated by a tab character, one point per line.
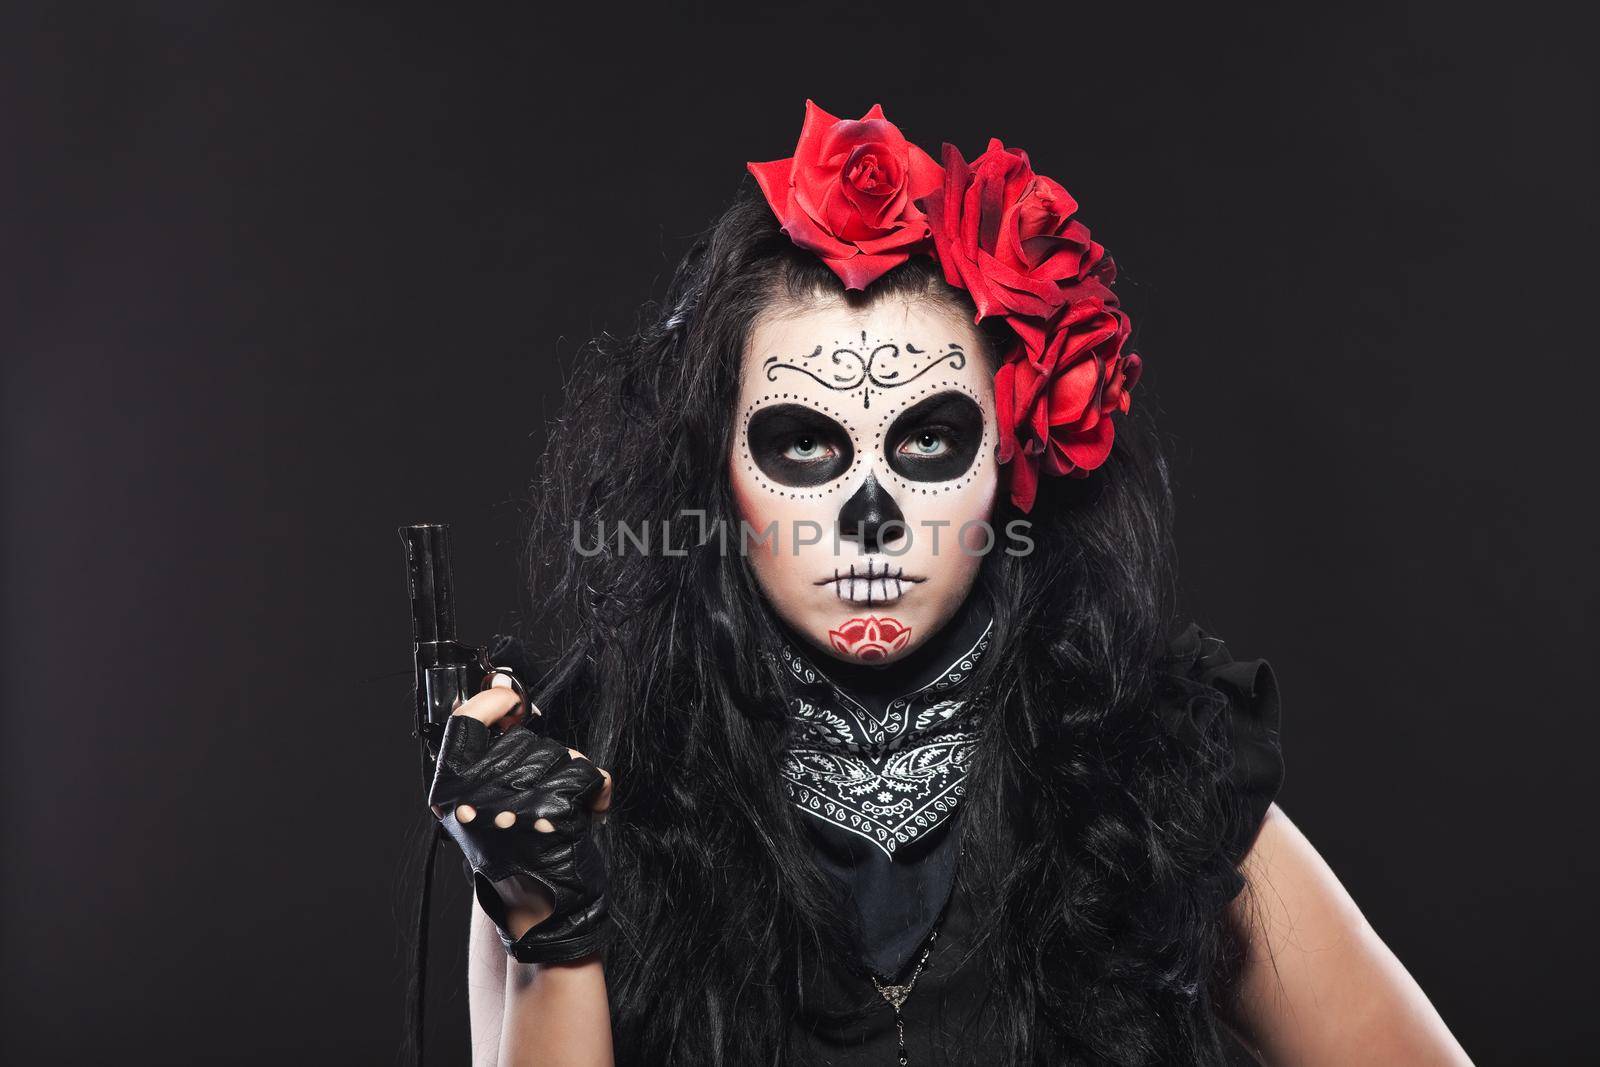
890	776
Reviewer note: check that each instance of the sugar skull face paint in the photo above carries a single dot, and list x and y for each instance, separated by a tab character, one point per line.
864	459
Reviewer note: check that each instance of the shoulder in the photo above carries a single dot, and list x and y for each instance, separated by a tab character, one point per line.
1318	985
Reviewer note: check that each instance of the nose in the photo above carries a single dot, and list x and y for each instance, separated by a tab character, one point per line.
864	516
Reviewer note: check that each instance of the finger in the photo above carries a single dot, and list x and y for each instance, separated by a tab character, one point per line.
506	820
515	716
602	802
466	813
502	680
544	826
491	705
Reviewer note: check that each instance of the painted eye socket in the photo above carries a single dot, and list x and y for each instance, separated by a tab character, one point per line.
937	439
798	446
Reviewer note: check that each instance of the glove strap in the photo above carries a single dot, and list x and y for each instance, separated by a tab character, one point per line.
532	948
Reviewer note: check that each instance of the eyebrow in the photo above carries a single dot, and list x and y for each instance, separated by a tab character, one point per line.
783	415
937	404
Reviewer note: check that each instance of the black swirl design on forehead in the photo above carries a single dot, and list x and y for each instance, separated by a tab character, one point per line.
871	365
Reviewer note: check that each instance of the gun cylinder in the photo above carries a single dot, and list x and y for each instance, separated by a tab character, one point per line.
448	672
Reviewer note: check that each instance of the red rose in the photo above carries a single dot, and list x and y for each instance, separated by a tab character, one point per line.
1058	387
849	193
1006	234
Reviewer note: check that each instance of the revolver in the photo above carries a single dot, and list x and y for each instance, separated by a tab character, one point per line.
448	671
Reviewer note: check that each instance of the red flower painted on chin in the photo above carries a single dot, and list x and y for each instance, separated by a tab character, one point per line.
870	639
849	193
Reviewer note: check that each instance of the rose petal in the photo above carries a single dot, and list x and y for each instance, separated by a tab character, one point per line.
1005	408
1085	339
1019	293
1032	331
1072	392
943	206
875	166
860	271
925	175
1028	388
811	131
1035	430
1088	449
773	178
1132	369
908	234
813	238
1024	482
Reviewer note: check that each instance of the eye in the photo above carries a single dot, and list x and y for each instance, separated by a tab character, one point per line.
928	443
807	447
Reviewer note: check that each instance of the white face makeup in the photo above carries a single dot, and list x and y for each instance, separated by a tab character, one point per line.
865	453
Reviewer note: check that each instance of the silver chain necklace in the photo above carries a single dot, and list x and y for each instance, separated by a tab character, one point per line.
896	994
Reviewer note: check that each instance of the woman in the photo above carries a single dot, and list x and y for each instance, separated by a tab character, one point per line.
854	568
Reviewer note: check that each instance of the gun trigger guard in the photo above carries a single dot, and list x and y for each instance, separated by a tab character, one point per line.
490	670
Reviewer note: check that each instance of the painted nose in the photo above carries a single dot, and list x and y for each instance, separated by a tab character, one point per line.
866	514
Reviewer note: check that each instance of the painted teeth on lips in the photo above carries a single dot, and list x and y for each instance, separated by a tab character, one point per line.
870	583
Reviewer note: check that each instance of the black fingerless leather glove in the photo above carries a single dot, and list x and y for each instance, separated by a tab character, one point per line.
536	778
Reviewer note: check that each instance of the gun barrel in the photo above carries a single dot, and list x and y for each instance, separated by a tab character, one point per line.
433	605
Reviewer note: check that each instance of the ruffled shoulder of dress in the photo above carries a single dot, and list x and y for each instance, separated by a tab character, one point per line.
1201	669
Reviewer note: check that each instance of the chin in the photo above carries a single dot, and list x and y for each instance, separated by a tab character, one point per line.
880	632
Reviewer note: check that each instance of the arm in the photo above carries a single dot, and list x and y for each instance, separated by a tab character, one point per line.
533	1015
1318	986
522	1014
486	987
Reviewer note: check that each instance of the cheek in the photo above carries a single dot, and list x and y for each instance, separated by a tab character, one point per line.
964	511
975	538
801	523
747	498
779	534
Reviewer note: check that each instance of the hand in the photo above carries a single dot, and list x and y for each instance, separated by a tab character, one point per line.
521	808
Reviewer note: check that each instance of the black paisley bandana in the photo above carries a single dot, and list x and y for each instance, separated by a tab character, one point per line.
888	771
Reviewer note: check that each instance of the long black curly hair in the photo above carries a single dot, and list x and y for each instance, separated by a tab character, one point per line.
1100	838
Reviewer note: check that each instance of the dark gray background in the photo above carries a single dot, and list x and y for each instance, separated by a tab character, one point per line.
280	279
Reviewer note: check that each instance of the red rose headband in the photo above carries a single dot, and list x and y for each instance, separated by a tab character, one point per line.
865	200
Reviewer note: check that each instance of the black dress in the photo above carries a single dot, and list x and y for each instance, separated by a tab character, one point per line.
949	1018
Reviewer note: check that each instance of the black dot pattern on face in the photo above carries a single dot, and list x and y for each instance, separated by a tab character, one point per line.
985	448
789	492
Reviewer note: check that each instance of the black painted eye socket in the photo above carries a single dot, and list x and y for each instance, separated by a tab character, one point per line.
799	446
936	439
